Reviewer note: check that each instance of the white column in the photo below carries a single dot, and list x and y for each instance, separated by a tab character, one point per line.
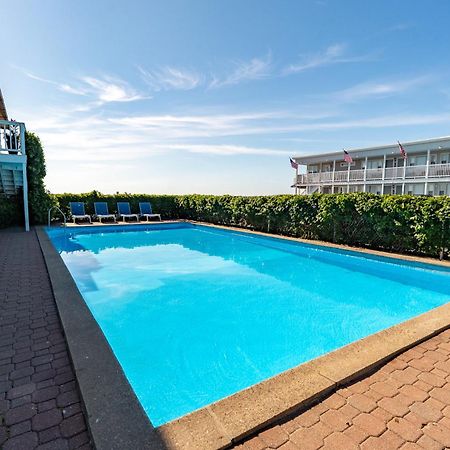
365	174
348	178
383	174
332	180
25	197
427	172
404	175
296	180
25	180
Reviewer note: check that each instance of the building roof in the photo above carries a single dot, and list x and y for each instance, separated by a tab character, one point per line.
380	150
3	113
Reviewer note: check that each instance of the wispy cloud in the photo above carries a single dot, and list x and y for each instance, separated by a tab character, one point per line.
171	78
227	150
109	89
255	69
372	89
105	89
334	54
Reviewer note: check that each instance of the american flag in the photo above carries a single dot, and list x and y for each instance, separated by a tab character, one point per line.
294	165
402	150
347	157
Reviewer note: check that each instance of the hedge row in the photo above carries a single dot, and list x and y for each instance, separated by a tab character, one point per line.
399	223
10	211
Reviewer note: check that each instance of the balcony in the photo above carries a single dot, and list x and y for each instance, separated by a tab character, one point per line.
12	138
12	157
435	171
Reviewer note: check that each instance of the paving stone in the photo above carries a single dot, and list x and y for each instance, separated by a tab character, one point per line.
20	391
47	393
83	438
59	444
339	441
335	420
274	437
438	433
362	402
370	424
50	434
73	425
24	441
394	406
17	415
405	429
46	419
67	398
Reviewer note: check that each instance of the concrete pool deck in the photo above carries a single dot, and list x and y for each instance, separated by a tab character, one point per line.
220	424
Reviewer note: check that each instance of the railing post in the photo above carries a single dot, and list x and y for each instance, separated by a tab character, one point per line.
383	174
22	139
427	172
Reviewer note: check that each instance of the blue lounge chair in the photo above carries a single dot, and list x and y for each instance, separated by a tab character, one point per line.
146	211
124	210
101	211
77	211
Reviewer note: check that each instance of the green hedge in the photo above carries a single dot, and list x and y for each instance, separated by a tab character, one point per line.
399	223
10	211
38	198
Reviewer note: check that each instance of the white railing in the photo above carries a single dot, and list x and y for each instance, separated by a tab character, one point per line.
374	174
390	173
415	171
12	137
341	175
439	170
356	175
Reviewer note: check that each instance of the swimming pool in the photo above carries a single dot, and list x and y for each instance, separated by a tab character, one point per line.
194	314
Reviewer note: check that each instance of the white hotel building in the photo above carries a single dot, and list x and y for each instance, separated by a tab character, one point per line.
380	170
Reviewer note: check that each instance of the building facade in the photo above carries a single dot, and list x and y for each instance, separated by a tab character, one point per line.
13	160
380	170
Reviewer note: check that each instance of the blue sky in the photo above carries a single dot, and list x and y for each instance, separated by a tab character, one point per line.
213	96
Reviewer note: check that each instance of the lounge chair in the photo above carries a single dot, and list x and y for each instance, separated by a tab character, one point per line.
124	210
146	211
77	211
101	211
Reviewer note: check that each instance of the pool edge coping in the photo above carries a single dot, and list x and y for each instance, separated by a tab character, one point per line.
103	385
231	419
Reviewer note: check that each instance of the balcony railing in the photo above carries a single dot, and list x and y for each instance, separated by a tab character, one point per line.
390	173
12	137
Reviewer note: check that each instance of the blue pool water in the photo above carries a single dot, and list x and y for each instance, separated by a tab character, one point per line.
194	314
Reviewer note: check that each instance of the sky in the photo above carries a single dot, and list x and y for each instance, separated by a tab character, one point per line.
213	96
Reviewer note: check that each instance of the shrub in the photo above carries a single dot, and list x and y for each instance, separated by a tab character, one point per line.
38	198
10	211
400	223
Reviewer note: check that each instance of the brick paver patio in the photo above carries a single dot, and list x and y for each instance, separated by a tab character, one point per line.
39	401
404	405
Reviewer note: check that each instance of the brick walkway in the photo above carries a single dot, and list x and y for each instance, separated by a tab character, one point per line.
39	401
404	405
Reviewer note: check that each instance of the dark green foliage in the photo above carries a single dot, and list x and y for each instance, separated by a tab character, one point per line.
38	198
10	211
165	205
399	223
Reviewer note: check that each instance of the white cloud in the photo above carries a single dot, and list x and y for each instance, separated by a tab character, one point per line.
334	54
372	89
227	150
255	69
171	78
102	90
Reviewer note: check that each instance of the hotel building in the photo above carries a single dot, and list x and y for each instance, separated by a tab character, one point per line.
380	170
